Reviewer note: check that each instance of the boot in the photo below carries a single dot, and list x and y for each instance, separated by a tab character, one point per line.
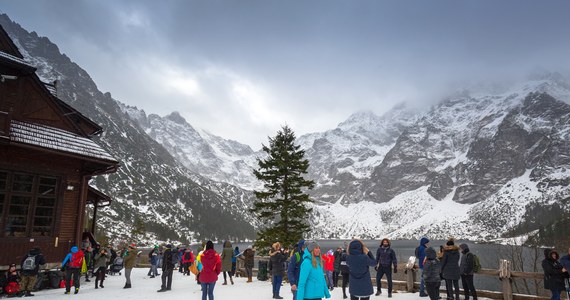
96	283
249	279
344	295
232	281
127	286
225	282
101	284
378	292
76	291
28	294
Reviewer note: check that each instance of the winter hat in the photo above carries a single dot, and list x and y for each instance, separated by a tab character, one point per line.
169	246
209	245
463	247
133	246
74	249
430	253
330	252
155	246
450	242
312	245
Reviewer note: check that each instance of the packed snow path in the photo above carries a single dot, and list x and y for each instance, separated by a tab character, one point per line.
185	287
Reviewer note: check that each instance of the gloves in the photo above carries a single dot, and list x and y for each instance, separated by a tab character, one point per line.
395	270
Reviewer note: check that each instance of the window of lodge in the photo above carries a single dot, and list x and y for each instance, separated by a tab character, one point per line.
27	204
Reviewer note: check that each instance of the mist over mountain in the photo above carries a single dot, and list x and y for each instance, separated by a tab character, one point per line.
485	162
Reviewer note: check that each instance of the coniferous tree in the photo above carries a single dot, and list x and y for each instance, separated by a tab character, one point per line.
282	205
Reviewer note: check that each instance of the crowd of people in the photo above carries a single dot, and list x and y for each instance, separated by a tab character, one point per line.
311	272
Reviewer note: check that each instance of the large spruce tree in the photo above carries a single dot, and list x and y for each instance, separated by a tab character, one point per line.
282	205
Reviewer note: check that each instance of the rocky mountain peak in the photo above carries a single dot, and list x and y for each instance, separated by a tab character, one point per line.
176	118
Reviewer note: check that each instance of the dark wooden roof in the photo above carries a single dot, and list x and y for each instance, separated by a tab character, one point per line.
16	62
96	196
43	136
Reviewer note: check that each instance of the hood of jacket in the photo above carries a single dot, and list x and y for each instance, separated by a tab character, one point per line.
550	255
430	253
74	249
424	241
451	248
300	245
35	251
547	253
209	254
355	248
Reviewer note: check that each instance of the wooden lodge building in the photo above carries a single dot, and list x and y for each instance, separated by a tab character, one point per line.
46	161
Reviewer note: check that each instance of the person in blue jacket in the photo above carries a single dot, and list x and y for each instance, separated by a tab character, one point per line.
359	260
421	255
295	266
311	283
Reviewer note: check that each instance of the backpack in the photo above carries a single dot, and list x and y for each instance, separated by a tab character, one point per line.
174	258
476	264
29	263
12	288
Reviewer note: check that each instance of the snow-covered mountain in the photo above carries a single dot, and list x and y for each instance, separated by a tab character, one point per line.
486	161
154	196
204	153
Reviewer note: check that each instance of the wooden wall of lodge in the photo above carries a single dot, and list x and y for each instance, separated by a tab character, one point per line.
69	210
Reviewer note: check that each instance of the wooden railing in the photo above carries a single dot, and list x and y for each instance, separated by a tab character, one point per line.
410	284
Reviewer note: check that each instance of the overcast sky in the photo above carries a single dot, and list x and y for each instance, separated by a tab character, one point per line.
241	69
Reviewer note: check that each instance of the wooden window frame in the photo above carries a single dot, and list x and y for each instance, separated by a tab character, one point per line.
34	204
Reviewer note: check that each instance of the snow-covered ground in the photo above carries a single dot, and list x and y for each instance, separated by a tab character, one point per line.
183	287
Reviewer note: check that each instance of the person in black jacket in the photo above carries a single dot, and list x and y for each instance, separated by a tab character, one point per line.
385	259
553	273
431	274
450	269
344	272
169	259
30	267
466	270
277	266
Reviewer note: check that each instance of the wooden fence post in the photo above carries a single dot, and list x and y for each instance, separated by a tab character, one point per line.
505	276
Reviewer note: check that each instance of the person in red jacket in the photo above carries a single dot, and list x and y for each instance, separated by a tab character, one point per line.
187	260
329	268
211	268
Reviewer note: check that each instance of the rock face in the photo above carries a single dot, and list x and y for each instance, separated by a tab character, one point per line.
154	196
480	164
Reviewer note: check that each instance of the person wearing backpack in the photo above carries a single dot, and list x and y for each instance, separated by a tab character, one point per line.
72	264
294	267
467	269
30	267
11	284
169	259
